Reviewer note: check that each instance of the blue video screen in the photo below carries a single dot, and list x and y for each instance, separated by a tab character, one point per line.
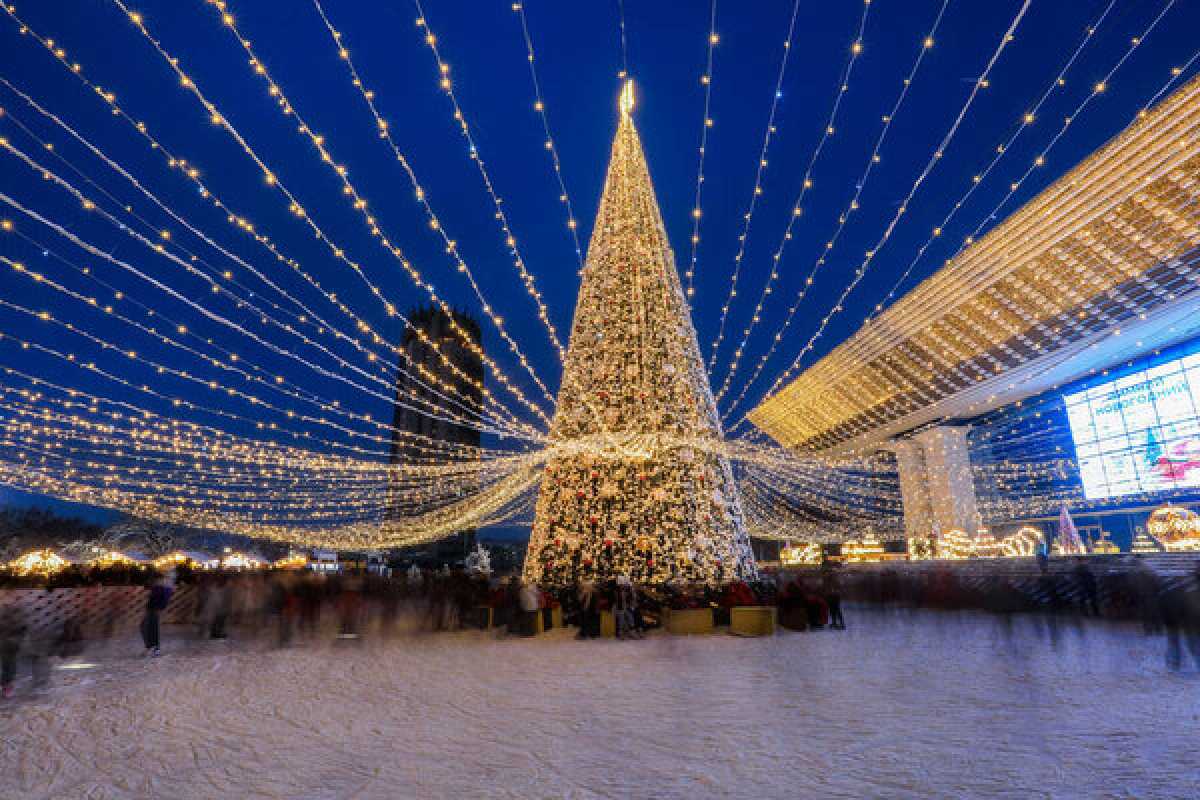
1139	433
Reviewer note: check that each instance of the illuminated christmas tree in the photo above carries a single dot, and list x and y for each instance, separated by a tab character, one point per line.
638	483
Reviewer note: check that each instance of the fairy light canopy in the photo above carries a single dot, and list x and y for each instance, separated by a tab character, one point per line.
217	236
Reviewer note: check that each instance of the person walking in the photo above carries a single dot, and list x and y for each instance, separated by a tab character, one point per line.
12	632
156	603
1089	591
531	601
589	615
222	608
625	609
831	588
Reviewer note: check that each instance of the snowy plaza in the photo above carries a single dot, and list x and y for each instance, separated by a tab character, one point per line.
901	705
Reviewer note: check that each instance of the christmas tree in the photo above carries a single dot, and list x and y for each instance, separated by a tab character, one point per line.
637	482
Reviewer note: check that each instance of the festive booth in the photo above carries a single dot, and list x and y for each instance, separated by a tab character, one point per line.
804	554
1104	545
38	562
956	545
1144	543
864	550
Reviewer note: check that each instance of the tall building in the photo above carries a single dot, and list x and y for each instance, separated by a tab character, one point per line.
637	482
422	372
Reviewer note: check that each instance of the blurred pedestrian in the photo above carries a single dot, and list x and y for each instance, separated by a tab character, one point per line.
156	603
625	610
589	613
12	633
531	603
219	607
831	589
1089	593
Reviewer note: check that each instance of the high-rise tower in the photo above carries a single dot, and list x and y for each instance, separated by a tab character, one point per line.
457	339
638	482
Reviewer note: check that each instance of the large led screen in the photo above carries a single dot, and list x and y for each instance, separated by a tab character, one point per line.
1139	433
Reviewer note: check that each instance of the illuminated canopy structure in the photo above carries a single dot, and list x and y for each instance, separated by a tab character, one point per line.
1098	261
640	485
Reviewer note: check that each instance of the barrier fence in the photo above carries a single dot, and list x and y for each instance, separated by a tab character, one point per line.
100	611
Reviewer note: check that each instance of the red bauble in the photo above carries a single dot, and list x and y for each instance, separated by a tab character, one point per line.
594	520
649	562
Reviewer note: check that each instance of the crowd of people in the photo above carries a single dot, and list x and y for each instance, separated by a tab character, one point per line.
1163	604
286	607
282	608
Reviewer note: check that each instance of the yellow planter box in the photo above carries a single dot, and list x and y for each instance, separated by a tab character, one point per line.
556	618
484	617
686	621
608	625
752	620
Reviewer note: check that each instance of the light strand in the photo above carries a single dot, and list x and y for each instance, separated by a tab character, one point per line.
760	169
926	44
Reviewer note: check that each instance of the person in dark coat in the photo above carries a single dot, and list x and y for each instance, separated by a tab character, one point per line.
12	632
831	588
589	611
1089	592
156	603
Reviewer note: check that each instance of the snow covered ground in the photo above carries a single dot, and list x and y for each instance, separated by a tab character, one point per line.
900	706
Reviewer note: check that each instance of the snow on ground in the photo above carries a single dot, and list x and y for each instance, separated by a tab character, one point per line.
899	706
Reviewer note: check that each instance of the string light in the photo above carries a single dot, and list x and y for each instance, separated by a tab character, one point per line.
88	204
706	80
1047	275
843	218
934	159
307	489
539	105
166	289
241	223
1040	159
422	195
357	203
768	134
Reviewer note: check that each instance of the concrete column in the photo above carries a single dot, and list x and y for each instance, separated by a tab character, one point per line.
948	479
914	489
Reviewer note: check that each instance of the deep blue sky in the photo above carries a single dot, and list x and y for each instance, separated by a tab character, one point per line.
578	56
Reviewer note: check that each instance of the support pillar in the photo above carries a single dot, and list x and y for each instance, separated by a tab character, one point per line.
914	490
948	477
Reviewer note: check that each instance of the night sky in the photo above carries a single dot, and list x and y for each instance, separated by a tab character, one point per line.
578	56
